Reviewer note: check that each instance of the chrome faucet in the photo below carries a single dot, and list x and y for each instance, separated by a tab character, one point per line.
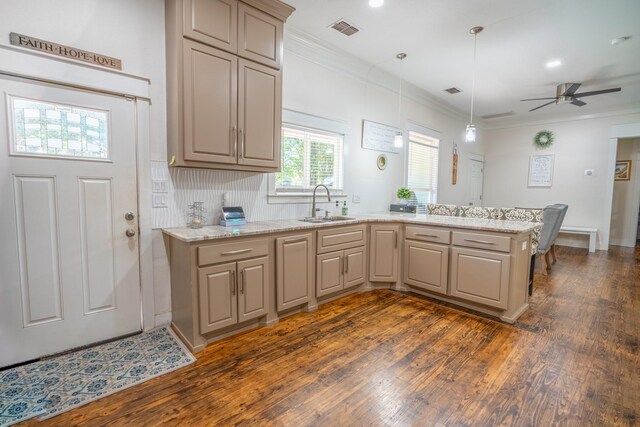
313	205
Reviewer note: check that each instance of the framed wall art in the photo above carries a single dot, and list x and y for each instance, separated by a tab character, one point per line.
623	170
541	170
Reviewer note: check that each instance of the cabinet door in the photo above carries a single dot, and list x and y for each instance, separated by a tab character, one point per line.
218	297
426	265
253	285
480	276
384	253
210	104
259	36
354	267
214	22
259	115
294	270
329	269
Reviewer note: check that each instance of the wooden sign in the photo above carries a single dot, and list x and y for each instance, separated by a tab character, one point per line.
64	51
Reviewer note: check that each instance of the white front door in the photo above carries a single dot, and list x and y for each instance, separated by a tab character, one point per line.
69	274
476	178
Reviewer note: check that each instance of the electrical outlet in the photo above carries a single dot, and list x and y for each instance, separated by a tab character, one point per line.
355	198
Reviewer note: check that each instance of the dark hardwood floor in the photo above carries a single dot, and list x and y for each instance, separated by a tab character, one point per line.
387	358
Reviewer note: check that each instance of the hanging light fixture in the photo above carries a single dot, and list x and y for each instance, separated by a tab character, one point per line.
398	140
470	134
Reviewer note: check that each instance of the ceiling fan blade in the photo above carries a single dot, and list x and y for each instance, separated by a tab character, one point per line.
543	105
578	102
596	92
537	99
571	89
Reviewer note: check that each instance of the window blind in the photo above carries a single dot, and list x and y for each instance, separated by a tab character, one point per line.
309	157
422	168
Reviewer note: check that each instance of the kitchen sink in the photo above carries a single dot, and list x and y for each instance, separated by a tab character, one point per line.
320	220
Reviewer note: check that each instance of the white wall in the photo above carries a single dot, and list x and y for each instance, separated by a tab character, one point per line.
624	212
130	30
318	80
579	144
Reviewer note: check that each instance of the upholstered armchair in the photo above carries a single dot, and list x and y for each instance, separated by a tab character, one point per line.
552	221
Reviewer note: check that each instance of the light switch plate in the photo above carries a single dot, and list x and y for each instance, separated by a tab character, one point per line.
160	186
159	201
356	198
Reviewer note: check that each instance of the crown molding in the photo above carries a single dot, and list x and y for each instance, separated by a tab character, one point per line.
275	8
326	55
562	119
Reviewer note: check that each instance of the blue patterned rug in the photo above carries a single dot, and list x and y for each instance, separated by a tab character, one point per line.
50	387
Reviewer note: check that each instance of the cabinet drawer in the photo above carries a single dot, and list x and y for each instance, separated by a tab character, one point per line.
341	238
223	252
483	241
428	234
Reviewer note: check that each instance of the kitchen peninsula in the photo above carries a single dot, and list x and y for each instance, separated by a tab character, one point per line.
225	280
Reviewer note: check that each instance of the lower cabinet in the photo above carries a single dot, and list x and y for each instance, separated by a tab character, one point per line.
383	253
339	270
480	276
426	266
294	270
232	293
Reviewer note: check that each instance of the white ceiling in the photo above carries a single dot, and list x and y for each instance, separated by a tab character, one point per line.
520	36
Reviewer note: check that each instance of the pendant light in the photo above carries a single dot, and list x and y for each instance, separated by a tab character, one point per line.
470	134
398	140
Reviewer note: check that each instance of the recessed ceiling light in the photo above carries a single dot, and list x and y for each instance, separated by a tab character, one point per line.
376	3
553	64
620	40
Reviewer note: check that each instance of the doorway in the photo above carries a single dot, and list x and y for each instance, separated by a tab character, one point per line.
68	239
476	179
625	206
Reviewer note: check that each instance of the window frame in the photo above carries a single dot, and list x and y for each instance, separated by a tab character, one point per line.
12	131
300	120
430	133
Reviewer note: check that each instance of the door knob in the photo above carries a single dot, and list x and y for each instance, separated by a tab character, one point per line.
129	216
130	232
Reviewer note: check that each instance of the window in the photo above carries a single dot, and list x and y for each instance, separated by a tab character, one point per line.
309	157
53	130
422	168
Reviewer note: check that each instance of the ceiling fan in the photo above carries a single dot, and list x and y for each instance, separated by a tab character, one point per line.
566	92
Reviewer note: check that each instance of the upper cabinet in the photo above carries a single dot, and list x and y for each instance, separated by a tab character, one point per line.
224	83
213	22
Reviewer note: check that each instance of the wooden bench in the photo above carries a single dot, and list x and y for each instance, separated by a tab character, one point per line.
591	232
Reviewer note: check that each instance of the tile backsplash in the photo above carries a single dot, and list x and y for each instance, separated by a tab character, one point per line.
215	187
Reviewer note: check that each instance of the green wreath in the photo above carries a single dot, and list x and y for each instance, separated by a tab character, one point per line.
543	139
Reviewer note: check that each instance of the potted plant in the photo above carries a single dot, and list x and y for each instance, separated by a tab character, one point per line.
403	194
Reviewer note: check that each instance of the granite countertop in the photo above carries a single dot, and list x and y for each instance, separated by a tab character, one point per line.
211	232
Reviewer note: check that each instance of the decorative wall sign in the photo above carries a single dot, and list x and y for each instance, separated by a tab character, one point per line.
64	51
541	170
379	137
623	170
